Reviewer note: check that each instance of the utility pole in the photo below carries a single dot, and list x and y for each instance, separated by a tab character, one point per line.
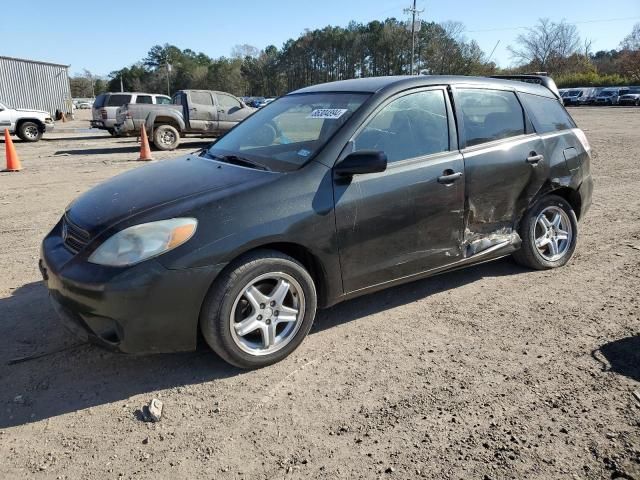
413	11
168	85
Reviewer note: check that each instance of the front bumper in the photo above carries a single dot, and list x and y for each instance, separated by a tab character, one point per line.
145	308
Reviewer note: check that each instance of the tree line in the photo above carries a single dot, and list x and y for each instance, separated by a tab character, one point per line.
371	49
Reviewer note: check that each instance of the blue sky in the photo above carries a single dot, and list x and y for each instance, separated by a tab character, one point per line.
104	36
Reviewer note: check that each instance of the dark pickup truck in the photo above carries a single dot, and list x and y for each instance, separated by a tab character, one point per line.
205	113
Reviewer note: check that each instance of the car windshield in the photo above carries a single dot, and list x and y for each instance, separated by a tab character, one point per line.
289	131
5	105
633	90
575	93
608	93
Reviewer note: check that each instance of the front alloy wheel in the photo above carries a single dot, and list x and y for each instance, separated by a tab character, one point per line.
267	313
259	309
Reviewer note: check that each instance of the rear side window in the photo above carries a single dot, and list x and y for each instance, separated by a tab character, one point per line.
118	100
99	102
546	113
489	115
412	126
201	98
228	102
163	100
144	99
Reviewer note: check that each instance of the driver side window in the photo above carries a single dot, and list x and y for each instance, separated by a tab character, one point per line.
412	126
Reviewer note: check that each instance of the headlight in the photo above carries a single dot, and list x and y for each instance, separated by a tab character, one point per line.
140	242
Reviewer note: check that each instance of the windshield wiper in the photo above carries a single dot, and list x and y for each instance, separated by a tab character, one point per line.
235	160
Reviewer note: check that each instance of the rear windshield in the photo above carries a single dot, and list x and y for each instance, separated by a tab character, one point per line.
99	101
547	115
118	100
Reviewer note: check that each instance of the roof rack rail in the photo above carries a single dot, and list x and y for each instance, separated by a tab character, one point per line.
540	78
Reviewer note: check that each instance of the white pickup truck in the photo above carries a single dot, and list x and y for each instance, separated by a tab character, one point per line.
29	125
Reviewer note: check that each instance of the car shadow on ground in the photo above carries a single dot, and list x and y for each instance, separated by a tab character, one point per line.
71	376
622	357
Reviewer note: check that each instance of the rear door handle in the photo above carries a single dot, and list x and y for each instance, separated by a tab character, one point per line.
449	177
534	159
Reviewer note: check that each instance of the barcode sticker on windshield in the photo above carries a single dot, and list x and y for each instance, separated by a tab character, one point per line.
330	113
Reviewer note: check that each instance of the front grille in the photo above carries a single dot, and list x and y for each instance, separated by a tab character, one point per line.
75	239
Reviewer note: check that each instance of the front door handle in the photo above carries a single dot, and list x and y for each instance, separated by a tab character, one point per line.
449	177
535	159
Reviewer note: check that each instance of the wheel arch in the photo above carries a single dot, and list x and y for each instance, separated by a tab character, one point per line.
165	120
37	121
302	254
571	196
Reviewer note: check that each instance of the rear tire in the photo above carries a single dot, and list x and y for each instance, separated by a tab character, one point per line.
259	310
166	137
29	132
549	232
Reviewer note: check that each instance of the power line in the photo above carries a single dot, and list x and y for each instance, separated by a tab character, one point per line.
570	23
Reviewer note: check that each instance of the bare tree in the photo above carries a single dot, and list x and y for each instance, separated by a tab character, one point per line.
243	51
544	46
632	41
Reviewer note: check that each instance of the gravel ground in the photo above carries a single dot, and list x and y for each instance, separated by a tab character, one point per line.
494	372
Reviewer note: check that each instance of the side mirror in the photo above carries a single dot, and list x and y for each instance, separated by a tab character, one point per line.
364	161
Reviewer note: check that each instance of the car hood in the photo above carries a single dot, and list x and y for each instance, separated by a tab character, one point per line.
29	110
151	186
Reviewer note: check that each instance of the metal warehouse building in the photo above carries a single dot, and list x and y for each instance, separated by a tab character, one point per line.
32	84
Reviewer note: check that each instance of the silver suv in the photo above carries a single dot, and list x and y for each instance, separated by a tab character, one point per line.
106	104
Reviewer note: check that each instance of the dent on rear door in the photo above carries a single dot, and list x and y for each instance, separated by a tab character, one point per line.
500	185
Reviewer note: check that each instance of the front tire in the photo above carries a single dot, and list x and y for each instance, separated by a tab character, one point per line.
259	310
29	132
166	137
549	232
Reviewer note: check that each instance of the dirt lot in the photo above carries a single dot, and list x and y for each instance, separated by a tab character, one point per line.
491	372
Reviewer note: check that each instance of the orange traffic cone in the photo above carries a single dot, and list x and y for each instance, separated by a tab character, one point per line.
13	162
145	151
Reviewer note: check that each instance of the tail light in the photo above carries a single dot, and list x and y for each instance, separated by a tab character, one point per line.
583	139
103	113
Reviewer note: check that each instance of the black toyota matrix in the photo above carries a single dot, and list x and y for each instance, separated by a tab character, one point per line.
329	192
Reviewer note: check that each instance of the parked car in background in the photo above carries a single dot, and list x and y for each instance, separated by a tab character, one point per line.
254	102
609	96
28	124
328	193
84	105
106	105
589	96
630	97
202	112
572	96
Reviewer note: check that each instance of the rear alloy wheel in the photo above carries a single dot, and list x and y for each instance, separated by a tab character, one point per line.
260	310
29	132
549	232
166	137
